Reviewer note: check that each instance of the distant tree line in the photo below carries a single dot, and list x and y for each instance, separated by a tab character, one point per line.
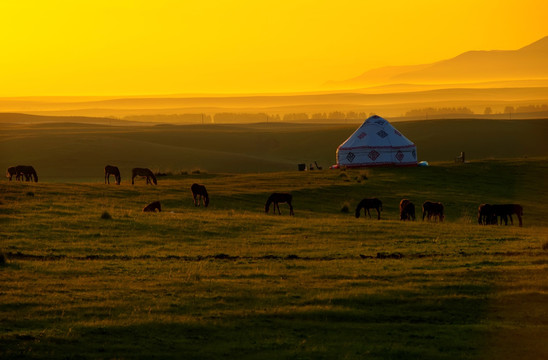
439	111
525	109
228	117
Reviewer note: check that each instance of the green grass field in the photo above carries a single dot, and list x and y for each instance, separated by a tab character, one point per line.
230	281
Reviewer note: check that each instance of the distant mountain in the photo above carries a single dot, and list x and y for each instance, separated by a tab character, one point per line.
529	62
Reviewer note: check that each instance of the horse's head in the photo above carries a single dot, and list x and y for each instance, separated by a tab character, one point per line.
118	179
206	201
155	181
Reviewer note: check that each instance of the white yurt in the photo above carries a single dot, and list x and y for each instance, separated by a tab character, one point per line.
376	143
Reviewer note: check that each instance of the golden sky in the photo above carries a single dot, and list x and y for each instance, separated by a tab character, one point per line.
130	47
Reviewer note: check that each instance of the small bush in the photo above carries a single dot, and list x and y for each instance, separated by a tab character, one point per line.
345	208
3	258
545	245
106	216
30	193
196	171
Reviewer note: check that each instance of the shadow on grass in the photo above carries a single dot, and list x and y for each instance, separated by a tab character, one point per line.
440	324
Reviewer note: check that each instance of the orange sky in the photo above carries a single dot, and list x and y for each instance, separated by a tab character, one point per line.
129	47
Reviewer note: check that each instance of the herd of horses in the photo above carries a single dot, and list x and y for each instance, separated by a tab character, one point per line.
430	210
488	214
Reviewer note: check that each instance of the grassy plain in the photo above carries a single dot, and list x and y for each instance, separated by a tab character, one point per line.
232	282
69	152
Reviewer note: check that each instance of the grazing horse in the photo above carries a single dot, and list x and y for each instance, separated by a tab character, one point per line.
112	170
12	171
367	204
486	215
27	171
407	210
146	173
506	210
432	209
199	191
278	198
152	207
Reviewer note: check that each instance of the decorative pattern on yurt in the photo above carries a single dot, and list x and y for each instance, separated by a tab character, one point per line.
376	143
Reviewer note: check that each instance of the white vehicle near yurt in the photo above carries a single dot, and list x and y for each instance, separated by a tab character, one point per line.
376	143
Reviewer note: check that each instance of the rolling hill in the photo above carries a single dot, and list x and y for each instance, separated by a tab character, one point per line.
69	152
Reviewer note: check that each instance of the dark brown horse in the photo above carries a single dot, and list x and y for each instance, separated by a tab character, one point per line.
112	170
278	198
507	210
152	207
11	172
27	171
486	215
407	210
199	191
432	210
144	172
367	204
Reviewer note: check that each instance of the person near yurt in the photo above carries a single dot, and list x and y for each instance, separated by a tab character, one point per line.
376	143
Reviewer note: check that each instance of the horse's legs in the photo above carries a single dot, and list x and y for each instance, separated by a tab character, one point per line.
519	218
378	214
276	204
290	209
511	221
367	211
505	218
132	179
194	196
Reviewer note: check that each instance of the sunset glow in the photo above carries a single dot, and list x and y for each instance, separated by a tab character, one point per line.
177	47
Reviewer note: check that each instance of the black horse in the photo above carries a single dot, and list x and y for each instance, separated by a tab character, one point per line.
486	215
507	210
367	204
144	172
278	198
153	206
112	170
432	210
199	191
27	171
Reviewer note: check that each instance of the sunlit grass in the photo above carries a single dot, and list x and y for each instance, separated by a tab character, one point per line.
231	281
